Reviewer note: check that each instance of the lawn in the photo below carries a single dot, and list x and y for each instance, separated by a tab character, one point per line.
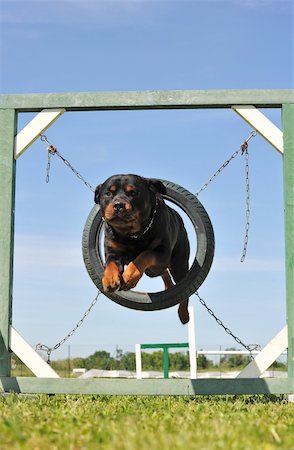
103	422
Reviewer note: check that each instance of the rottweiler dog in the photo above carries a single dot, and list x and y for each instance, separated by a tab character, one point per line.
142	235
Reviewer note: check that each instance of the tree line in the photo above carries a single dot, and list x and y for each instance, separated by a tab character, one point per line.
151	361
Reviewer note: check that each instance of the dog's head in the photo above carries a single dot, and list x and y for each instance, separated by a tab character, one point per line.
128	201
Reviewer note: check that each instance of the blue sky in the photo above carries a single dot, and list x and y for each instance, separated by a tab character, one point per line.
81	46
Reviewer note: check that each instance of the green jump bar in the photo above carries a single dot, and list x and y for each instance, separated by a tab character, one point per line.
175	99
30	385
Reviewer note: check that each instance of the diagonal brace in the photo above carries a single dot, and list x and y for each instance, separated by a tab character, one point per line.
29	356
262	124
267	356
35	128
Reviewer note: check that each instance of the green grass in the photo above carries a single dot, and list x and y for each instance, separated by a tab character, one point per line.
128	423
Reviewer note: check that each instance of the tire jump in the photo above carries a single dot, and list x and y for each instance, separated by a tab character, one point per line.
196	275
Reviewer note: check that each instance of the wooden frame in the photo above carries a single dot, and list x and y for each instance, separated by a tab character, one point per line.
56	104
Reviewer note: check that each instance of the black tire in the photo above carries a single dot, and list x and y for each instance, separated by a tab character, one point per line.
190	204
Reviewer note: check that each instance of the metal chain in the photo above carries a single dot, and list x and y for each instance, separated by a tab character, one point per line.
49	350
247	225
52	150
250	347
233	156
244	150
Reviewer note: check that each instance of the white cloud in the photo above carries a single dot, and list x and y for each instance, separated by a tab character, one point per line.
51	252
47	252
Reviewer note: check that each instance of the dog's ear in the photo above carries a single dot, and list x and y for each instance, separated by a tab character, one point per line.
97	193
156	186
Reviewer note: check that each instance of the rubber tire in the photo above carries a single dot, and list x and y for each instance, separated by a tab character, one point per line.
190	204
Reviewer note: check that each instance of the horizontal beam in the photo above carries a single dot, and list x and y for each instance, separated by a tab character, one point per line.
147	100
176	345
29	385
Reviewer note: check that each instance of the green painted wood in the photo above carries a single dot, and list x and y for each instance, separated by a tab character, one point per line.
288	126
175	345
7	185
147	387
165	348
77	101
165	363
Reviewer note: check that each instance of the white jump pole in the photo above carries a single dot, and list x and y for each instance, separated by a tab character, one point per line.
192	344
138	362
192	350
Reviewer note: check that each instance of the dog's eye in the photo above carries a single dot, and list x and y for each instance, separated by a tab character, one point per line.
134	193
108	194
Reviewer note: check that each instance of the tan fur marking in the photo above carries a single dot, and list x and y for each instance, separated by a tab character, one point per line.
131	276
111	277
109	211
128	206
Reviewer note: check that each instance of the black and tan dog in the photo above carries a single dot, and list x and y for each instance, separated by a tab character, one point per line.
142	235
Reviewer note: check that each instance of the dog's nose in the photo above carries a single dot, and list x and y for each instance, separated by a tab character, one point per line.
118	206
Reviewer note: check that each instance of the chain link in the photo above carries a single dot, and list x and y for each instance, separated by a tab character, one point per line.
221	168
243	150
250	347
52	150
247	225
49	350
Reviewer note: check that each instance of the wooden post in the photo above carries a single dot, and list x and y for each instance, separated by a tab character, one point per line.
7	188
288	127
165	362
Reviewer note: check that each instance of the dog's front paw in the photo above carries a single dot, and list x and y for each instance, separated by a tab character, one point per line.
131	277
111	280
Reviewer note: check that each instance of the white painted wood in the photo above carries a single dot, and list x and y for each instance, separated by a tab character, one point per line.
34	129
267	356
29	356
192	344
262	124
138	362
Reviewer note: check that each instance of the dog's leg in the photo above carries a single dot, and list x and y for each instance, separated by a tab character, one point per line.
179	268
183	306
183	312
112	277
168	283
135	270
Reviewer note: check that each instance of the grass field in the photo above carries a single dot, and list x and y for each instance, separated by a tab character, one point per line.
93	422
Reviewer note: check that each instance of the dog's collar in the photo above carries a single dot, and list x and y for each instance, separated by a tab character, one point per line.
136	236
